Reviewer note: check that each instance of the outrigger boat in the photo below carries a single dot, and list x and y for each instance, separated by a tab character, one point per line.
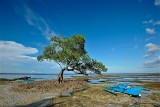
124	88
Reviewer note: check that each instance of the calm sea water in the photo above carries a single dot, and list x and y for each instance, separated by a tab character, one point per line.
121	78
34	76
128	78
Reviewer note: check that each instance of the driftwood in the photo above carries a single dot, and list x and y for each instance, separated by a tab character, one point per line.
22	78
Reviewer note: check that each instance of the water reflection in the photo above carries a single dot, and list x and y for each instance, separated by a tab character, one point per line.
129	79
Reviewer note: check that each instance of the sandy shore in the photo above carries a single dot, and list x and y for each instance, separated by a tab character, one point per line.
94	96
40	93
78	92
10	98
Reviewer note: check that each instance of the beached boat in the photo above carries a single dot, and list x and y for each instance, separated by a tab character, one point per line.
124	88
22	78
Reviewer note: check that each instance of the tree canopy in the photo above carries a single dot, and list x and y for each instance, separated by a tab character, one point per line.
71	53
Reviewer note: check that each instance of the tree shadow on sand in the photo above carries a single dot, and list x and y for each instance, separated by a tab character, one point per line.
42	103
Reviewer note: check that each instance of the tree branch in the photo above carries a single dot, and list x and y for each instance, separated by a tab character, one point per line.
59	64
72	69
75	72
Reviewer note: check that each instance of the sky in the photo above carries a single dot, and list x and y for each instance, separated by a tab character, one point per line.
123	34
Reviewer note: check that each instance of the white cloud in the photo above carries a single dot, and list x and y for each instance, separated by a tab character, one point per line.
27	57
15	57
148	22
156	23
150	31
36	21
150	38
11	50
151	22
151	49
155	63
157	2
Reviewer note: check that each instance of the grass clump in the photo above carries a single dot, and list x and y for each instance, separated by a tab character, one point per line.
151	85
50	85
156	98
93	96
85	78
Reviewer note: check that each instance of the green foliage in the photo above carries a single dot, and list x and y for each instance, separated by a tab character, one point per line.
71	52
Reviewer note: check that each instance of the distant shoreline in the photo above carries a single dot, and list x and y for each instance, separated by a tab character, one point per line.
32	74
50	92
70	73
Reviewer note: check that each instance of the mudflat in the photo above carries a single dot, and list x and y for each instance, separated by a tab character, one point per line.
73	93
40	92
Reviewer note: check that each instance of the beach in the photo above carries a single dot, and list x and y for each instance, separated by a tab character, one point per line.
74	92
10	98
40	93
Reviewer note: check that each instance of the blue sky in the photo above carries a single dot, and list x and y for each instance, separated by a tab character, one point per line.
123	34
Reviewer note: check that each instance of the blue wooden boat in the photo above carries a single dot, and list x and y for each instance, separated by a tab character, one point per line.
110	91
124	88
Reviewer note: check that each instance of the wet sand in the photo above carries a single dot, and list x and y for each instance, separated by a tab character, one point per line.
72	93
94	96
40	93
9	98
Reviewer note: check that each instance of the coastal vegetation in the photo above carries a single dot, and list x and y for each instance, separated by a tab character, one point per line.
74	91
93	96
49	86
70	55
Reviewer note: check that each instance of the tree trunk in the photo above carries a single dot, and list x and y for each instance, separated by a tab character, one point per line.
60	76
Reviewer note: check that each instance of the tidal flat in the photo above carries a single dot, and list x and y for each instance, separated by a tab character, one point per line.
94	96
75	92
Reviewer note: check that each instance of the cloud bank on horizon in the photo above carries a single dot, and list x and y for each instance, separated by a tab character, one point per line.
123	41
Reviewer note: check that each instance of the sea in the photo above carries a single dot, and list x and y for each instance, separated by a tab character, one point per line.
113	77
35	77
